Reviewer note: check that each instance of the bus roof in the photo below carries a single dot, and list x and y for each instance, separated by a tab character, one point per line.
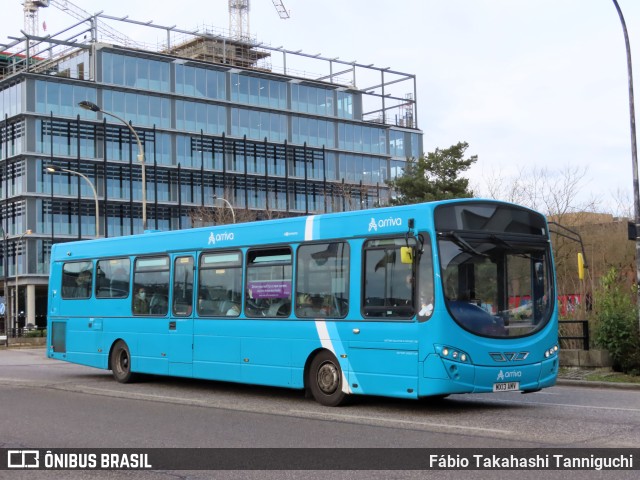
357	223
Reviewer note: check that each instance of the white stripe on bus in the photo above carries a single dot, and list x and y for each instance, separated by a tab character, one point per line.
308	228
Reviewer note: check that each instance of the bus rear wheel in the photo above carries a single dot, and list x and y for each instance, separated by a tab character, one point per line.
121	362
325	380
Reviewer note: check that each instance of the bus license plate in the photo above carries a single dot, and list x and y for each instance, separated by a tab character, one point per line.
506	387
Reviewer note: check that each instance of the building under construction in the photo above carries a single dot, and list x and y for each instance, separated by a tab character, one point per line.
198	116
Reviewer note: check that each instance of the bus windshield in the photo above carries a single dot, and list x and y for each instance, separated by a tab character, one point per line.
497	280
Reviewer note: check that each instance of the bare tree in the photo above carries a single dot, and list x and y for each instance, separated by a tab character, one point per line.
214	215
554	192
562	191
514	189
622	203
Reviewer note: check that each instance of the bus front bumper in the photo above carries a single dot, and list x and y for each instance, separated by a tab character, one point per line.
441	376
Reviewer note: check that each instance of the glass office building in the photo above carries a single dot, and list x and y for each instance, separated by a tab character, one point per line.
216	117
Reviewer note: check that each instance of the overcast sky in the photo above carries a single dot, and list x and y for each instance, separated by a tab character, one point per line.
524	82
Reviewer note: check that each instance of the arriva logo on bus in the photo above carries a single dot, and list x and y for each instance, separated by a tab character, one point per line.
384	223
219	237
507	375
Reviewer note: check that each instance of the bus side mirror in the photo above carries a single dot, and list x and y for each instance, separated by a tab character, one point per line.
406	255
581	266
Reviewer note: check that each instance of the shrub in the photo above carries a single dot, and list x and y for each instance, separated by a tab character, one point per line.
35	333
617	327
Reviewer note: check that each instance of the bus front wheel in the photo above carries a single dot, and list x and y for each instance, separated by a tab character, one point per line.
121	362
325	380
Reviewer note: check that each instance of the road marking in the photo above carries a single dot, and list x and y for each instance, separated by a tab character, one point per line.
307	413
405	422
567	405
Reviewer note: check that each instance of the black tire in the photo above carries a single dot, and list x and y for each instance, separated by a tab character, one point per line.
325	380
121	363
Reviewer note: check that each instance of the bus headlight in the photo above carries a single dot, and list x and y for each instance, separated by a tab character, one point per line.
452	353
550	352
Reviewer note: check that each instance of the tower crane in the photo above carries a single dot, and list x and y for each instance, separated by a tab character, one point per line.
284	14
31	22
239	17
32	26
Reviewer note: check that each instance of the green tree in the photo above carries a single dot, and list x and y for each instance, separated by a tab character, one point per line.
434	177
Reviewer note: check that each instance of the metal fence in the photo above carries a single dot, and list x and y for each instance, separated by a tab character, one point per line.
573	333
25	329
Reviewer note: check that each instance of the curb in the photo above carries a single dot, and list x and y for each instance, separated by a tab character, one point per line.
566	382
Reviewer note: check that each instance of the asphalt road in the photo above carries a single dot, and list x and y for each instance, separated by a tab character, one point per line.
51	404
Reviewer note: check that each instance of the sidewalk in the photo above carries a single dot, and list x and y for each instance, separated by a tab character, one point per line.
578	377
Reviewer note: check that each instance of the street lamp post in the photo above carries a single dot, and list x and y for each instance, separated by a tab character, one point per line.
634	149
225	202
95	108
17	315
53	169
6	288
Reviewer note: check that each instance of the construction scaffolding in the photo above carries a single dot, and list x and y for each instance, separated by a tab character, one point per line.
219	50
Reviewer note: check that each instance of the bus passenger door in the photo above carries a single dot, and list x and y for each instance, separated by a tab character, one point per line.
181	316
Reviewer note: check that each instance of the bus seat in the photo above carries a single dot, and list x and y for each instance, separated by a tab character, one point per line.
158	304
208	307
279	309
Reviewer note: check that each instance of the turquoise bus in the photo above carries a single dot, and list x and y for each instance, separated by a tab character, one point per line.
412	301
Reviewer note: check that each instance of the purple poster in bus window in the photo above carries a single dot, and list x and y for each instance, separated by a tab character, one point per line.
269	289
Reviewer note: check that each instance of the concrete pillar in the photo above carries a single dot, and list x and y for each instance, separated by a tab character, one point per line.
31	304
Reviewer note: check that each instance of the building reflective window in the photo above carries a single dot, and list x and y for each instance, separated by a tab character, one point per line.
258	125
362	168
63	98
361	138
139	109
314	132
160	150
396	143
196	117
137	72
11	100
345	105
259	91
200	82
12	138
416	147
311	99
64	137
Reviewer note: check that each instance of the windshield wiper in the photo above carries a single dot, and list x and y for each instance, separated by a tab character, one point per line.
462	243
497	239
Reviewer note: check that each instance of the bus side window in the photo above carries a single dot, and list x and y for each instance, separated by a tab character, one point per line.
112	278
183	286
151	286
388	283
322	280
220	284
268	282
425	295
77	279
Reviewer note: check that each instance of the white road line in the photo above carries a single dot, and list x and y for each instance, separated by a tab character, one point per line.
567	405
306	413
